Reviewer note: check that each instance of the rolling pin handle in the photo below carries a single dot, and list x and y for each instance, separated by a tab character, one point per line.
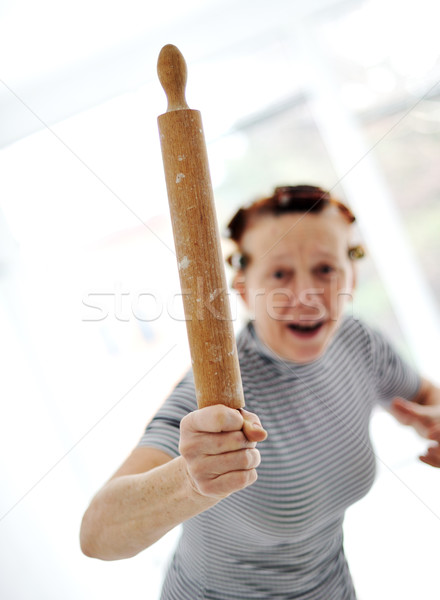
171	68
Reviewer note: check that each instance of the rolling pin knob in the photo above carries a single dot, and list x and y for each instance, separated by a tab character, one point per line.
171	68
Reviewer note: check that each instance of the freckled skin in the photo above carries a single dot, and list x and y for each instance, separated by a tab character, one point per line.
299	274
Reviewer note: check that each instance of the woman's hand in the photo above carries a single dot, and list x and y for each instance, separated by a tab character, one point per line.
423	413
218	444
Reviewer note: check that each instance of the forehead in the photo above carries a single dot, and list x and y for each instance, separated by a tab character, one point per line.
272	236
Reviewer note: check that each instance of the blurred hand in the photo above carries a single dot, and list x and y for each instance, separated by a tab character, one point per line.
426	421
218	444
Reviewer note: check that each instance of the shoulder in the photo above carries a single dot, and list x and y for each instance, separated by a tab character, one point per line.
390	373
180	401
163	431
183	395
370	339
354	335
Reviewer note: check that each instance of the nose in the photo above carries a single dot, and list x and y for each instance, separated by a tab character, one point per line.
301	285
295	292
308	301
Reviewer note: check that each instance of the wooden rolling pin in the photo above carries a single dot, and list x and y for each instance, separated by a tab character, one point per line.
196	236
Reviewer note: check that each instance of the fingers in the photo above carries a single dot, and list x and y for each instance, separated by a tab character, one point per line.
431	458
228	483
219	447
432	455
240	460
225	473
405	410
212	430
426	421
214	419
434	433
421	417
193	444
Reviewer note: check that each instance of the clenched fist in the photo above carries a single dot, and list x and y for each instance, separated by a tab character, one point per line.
218	444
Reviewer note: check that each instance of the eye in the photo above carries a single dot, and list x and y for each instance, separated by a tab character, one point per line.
279	274
325	270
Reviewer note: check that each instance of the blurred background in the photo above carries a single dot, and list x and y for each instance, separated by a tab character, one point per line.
339	93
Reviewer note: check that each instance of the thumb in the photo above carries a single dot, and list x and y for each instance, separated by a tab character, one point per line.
252	427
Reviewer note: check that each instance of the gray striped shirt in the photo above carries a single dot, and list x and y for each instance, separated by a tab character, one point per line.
281	538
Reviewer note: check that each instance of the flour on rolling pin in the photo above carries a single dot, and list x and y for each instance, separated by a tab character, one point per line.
196	236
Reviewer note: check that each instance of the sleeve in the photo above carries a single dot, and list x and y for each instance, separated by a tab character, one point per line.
392	375
163	431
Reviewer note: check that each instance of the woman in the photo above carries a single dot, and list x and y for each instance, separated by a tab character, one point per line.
312	375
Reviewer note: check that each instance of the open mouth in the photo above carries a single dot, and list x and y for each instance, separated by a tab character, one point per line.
305	330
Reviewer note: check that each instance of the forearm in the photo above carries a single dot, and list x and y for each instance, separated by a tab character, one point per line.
132	512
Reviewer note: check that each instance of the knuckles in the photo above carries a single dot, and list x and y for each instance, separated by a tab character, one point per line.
189	446
222	416
213	419
219	458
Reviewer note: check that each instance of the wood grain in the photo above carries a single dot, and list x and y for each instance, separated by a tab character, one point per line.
197	241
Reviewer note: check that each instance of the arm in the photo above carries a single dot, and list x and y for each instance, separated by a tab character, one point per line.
152	493
423	413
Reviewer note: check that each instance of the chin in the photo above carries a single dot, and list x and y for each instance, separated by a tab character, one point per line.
298	344
300	356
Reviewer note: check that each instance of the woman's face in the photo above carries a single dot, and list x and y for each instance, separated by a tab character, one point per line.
297	281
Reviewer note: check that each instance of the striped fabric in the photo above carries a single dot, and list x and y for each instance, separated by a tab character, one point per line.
281	538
